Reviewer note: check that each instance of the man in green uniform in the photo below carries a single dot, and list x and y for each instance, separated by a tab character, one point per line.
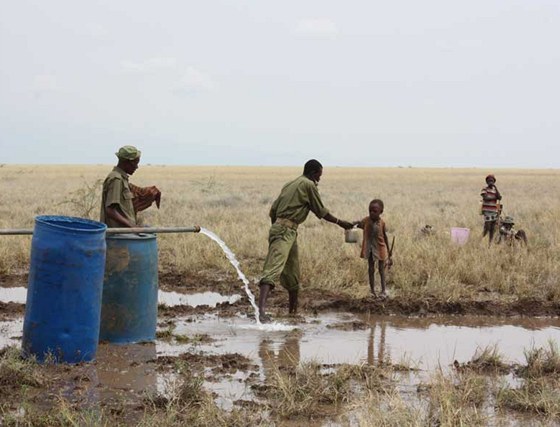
120	200
290	209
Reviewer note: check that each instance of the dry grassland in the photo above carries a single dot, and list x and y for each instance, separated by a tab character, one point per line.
234	202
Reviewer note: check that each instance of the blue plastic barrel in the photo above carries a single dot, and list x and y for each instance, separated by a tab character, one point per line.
130	289
63	305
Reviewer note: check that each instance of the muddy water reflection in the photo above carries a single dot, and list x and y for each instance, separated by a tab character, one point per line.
286	354
426	342
441	340
330	338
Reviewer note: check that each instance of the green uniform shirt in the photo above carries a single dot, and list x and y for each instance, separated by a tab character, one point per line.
117	192
296	199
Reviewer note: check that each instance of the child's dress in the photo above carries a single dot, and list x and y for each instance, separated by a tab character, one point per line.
373	242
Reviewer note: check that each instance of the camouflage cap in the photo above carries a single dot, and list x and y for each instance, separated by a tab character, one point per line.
128	152
508	220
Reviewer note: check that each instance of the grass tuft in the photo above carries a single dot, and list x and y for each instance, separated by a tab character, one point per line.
455	400
540	396
541	361
15	371
486	360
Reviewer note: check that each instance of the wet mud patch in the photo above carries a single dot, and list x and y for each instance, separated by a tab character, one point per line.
355	325
11	310
42	388
173	281
228	363
225	309
15	279
321	301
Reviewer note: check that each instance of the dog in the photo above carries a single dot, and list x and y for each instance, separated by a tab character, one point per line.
427	230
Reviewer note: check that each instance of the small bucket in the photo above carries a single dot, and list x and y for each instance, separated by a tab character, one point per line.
351	235
460	235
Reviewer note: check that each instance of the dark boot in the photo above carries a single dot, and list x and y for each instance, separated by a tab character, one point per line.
293	301
263	295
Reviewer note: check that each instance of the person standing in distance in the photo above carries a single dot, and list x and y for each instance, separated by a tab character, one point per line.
120	200
289	210
491	207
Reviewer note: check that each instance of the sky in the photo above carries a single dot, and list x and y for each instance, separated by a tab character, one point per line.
434	83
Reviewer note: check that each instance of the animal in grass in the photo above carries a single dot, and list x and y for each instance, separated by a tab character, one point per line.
427	230
507	233
491	207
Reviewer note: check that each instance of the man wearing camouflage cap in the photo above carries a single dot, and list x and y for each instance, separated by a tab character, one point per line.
120	200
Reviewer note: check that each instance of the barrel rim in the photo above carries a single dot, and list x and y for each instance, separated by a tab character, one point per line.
49	221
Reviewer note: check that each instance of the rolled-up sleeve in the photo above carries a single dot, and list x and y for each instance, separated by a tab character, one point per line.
114	192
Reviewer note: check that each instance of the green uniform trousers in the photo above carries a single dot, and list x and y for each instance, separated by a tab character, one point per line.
282	258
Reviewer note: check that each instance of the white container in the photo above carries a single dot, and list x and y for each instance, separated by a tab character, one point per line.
460	235
351	235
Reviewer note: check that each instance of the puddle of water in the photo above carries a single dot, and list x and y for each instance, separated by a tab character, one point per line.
233	260
432	342
427	344
10	332
210	299
18	294
171	299
231	389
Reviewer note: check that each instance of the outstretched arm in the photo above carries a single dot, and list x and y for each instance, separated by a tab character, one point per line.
359	224
340	222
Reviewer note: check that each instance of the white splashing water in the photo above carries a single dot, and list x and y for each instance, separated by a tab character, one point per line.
233	260
269	327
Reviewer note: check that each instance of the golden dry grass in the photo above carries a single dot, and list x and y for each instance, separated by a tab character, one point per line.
234	202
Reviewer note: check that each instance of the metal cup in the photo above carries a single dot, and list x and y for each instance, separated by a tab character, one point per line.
351	235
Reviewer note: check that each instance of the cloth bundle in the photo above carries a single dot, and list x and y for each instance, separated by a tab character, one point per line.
144	197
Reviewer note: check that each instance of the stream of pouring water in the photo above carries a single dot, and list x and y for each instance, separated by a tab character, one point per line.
231	257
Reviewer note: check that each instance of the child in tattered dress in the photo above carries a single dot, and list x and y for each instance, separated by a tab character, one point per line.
375	245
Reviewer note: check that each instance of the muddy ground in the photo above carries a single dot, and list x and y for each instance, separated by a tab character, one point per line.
318	300
126	381
314	300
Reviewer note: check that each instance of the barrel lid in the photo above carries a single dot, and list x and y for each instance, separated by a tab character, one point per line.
70	223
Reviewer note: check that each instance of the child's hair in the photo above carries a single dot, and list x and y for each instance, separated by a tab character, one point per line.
378	202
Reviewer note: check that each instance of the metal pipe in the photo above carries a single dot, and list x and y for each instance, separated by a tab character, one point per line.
15	231
137	230
153	230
